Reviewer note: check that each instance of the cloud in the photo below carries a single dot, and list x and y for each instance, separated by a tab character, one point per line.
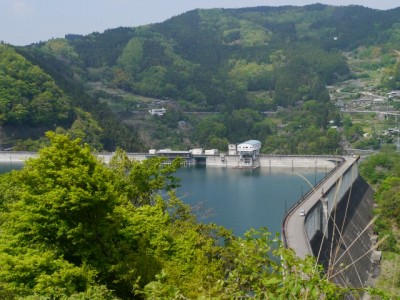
21	8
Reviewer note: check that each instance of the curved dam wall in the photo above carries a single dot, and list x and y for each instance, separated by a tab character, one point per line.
336	226
317	217
344	248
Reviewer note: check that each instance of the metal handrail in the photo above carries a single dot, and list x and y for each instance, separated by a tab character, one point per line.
295	205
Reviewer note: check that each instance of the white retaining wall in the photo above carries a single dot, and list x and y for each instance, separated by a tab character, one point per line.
221	160
319	162
315	220
16	157
285	162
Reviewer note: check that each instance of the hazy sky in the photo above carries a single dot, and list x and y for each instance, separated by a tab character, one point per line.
28	21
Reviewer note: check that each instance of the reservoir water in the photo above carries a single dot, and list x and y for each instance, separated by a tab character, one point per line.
242	199
239	199
7	167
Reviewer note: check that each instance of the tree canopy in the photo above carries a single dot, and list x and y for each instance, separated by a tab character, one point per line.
383	171
28	94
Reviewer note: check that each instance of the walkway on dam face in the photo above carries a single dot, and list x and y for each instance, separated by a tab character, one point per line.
294	225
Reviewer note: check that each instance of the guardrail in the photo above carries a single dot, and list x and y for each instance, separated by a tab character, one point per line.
295	205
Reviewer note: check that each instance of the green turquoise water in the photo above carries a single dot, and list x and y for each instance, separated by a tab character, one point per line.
238	199
242	199
7	167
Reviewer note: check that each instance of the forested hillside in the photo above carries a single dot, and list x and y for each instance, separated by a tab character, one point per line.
383	172
33	103
236	63
28	95
212	58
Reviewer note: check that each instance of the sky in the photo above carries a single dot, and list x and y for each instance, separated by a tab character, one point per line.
23	22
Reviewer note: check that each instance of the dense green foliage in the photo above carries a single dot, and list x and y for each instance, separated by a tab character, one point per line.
305	130
30	98
211	58
74	228
29	95
63	64
383	171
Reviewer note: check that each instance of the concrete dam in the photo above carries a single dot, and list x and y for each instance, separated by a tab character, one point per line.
332	222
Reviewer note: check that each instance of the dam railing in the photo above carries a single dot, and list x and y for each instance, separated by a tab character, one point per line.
296	205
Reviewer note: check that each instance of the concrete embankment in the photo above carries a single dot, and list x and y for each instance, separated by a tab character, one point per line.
277	162
16	157
20	157
336	227
107	156
292	162
345	251
231	161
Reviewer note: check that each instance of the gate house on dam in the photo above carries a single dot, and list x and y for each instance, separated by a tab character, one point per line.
249	154
244	155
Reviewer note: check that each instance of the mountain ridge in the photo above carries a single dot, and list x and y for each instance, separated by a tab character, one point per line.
222	60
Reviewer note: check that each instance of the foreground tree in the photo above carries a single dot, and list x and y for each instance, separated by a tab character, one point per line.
65	202
73	228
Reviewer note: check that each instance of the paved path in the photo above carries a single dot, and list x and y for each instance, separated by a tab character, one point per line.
294	225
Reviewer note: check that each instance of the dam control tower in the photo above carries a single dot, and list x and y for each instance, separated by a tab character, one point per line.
249	153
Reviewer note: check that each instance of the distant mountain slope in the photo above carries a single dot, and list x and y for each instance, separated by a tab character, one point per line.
33	101
212	58
60	61
29	95
220	60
